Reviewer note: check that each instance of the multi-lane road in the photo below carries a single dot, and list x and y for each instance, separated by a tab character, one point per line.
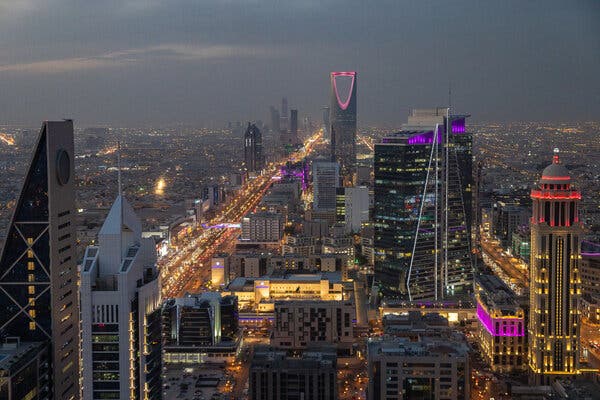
187	269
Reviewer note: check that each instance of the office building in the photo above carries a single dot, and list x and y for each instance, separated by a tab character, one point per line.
326	177
502	325
253	151
275	376
431	368
24	370
422	204
38	296
248	265
302	323
202	327
343	122
352	207
220	269
555	282
120	311
262	227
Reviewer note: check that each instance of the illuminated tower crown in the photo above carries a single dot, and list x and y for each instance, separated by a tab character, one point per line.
554	275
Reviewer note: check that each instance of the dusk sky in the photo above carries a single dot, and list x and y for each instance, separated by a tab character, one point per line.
206	62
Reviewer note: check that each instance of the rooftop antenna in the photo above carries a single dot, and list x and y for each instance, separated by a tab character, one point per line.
449	97
120	188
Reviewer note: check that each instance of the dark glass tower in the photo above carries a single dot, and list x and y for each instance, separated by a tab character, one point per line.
253	154
38	271
343	122
422	214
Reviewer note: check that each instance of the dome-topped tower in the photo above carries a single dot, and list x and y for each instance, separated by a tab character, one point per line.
554	275
556	172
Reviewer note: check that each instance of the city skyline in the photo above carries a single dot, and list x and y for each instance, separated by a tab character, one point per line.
197	71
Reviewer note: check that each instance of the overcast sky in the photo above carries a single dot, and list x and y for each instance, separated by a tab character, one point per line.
205	62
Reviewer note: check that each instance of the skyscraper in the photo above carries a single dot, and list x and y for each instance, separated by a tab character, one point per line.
326	176
275	122
326	127
554	290
38	288
253	154
120	311
343	121
284	124
422	211
294	126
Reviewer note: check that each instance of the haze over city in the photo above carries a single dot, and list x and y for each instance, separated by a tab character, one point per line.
138	63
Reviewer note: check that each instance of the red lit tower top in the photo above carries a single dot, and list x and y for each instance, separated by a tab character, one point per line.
555	200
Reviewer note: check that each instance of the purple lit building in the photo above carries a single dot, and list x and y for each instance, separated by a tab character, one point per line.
422	208
502	325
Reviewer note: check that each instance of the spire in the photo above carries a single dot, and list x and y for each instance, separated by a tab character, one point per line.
555	158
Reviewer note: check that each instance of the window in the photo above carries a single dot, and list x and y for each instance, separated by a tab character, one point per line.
31	289
30	265
31	326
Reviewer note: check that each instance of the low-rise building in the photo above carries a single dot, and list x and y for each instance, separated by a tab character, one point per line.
274	375
502	327
299	324
400	369
200	328
24	370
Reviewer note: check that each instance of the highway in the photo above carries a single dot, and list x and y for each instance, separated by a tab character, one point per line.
187	269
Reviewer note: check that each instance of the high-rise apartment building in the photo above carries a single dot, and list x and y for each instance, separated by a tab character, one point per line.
326	178
343	121
422	210
284	119
120	311
555	282
352	207
38	289
253	151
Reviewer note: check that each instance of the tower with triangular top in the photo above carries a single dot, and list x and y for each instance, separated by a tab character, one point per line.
38	270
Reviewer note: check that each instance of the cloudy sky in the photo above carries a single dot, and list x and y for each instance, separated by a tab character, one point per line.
205	62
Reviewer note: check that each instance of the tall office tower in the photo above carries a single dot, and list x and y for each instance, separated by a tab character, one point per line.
284	124
253	154
326	178
326	127
120	311
422	215
275	123
555	284
38	296
343	122
294	126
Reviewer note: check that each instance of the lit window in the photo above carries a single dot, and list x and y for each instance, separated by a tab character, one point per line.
31	289
29	241
32	313
30	278
31	326
30	265
30	253
31	301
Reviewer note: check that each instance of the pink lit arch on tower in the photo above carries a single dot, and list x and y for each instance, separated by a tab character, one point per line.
343	104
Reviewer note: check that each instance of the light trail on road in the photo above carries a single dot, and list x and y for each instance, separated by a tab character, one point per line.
187	269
